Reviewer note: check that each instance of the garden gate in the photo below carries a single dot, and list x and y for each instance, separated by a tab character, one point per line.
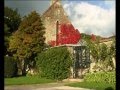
81	60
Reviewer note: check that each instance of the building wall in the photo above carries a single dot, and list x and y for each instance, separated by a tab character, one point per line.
54	13
108	43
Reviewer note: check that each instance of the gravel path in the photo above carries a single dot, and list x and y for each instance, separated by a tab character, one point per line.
50	86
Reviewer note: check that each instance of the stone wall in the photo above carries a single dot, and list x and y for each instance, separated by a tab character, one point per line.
54	13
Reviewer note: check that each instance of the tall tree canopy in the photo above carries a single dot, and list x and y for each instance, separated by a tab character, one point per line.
29	39
12	19
6	37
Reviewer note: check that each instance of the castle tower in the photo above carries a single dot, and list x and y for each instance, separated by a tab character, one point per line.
54	13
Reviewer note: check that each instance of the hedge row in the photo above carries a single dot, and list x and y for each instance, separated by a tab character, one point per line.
108	77
10	67
54	63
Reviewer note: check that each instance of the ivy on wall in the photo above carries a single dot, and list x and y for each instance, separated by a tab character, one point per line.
67	34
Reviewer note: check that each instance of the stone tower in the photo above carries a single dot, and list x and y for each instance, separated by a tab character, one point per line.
54	13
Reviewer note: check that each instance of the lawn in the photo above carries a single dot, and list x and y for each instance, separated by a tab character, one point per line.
26	80
93	85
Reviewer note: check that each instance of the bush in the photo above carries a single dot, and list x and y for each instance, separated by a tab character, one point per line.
10	67
107	77
54	63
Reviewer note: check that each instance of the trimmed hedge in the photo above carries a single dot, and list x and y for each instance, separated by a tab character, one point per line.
107	77
54	63
10	67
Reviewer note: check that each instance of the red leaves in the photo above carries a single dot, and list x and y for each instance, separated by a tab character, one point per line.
67	35
52	43
93	37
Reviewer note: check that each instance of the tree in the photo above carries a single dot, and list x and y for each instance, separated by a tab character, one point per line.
112	47
12	19
10	67
6	38
112	52
102	54
94	50
28	40
85	37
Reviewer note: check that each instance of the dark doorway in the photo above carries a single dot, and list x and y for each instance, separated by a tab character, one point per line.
81	60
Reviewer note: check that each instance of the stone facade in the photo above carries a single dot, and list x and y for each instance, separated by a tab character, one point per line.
54	13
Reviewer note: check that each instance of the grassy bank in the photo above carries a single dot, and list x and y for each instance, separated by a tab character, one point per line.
98	81
93	85
26	80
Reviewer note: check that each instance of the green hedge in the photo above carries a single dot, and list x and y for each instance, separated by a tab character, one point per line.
54	63
10	67
107	77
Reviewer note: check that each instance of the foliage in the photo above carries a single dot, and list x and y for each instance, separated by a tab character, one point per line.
27	80
67	35
54	63
112	48
6	30
88	37
85	36
102	54
105	77
6	37
97	81
94	85
10	67
93	44
112	53
94	50
12	19
106	56
28	40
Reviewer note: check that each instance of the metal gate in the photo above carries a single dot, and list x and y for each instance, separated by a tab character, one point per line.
81	59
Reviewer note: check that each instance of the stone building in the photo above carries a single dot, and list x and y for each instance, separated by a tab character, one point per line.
54	17
50	17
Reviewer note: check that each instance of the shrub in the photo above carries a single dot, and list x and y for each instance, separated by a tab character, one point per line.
107	77
10	67
54	63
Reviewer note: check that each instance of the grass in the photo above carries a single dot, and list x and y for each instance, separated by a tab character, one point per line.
26	80
93	85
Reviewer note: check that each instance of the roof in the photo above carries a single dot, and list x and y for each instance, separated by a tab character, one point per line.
105	40
80	43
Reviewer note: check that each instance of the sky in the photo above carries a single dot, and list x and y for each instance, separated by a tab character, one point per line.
88	16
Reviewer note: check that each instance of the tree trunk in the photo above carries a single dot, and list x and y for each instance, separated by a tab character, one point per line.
23	67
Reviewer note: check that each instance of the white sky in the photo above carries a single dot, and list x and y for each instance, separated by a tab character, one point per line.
88	16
